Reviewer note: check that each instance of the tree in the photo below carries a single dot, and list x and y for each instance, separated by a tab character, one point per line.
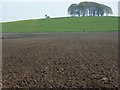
47	16
107	10
72	9
82	9
99	10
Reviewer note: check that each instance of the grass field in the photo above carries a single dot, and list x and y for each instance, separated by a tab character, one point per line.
66	24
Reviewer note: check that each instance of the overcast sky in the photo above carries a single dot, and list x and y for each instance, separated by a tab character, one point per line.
12	10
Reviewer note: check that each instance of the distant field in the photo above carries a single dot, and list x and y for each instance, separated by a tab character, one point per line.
66	24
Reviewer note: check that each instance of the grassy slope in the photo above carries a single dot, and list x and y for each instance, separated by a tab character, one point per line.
75	24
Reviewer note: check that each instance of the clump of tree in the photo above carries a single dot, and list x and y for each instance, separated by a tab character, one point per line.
89	9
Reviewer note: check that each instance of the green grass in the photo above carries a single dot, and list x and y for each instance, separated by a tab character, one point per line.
66	24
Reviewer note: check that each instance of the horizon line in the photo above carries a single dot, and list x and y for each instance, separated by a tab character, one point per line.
53	18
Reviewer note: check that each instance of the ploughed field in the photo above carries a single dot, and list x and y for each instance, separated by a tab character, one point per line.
68	60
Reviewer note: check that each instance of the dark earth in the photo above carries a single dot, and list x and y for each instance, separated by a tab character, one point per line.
60	60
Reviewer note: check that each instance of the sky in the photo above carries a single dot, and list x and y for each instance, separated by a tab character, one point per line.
13	10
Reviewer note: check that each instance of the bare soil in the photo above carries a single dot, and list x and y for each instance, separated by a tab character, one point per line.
61	60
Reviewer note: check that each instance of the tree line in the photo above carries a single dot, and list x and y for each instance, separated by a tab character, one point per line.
89	9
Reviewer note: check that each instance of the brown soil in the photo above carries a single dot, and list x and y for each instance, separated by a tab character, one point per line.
71	60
